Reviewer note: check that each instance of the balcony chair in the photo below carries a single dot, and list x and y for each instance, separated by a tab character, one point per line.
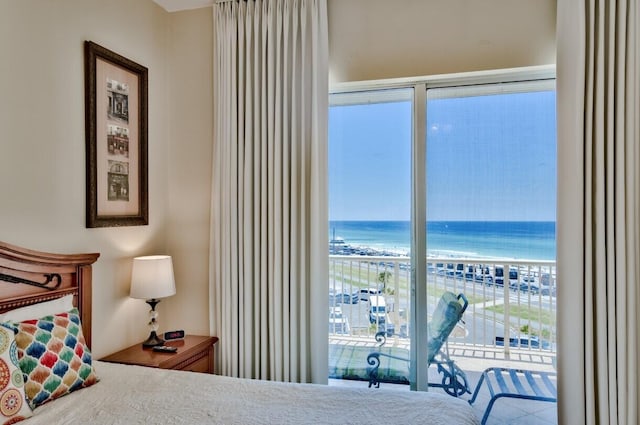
516	383
448	313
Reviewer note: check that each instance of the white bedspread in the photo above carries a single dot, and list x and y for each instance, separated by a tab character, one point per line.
139	395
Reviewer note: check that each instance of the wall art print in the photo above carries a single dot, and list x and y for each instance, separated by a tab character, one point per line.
116	109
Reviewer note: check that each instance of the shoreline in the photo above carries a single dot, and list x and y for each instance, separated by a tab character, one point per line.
339	247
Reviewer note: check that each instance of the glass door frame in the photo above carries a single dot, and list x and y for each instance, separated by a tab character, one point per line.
418	376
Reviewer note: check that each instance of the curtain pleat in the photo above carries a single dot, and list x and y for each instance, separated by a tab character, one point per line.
598	123
269	233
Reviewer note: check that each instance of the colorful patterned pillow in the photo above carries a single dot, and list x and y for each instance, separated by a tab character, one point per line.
54	357
13	406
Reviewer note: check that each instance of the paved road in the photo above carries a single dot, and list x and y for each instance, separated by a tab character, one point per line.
482	327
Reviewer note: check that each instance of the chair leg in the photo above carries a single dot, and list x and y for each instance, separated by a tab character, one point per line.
477	390
488	410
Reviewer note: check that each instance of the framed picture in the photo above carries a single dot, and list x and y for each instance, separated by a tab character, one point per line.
116	91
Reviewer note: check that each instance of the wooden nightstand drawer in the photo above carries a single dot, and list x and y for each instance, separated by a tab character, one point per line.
195	353
200	365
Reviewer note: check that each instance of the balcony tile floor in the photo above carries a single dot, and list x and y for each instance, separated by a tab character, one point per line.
505	410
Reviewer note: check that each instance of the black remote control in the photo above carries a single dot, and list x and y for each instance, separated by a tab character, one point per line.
165	349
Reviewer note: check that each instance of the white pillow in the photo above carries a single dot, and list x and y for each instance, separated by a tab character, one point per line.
36	311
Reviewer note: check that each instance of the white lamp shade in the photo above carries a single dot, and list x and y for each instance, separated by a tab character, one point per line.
152	277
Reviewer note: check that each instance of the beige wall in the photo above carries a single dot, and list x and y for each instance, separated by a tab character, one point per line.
377	39
42	155
190	150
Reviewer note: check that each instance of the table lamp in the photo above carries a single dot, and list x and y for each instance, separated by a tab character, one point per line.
151	279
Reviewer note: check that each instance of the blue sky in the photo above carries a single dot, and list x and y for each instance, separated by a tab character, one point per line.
490	157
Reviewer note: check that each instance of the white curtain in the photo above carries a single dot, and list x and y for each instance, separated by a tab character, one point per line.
269	237
598	215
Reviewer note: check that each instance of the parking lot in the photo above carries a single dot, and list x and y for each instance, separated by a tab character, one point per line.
355	308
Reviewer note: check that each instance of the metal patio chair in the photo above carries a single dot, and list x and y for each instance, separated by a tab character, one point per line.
448	313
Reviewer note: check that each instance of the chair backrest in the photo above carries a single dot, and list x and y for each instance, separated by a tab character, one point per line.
447	314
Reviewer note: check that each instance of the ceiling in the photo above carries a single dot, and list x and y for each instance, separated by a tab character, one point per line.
176	5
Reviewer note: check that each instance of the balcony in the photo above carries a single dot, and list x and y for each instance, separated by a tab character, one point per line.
510	320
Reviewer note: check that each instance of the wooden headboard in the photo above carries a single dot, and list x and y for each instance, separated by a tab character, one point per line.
29	277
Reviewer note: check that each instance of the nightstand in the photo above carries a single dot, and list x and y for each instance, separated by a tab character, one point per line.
195	354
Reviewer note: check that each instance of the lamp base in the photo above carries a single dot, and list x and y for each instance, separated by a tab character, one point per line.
153	340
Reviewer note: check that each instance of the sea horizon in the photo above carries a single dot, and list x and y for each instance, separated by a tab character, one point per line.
524	240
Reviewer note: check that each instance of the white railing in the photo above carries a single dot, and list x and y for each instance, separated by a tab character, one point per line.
512	304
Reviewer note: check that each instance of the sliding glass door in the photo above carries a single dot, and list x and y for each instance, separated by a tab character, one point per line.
441	187
490	215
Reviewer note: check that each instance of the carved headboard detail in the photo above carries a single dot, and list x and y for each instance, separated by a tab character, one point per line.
29	277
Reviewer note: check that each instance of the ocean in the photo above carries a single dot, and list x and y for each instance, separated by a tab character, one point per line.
523	240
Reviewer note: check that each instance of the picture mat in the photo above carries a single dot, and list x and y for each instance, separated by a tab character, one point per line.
107	71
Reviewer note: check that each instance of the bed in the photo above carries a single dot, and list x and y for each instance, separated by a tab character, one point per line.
126	394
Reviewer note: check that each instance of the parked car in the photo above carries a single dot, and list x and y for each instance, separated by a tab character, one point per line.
483	274
338	322
378	315
546	279
431	268
548	290
524	342
451	271
529	287
377	309
547	284
364	293
459	270
499	276
387	327
470	273
344	298
332	297
513	277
